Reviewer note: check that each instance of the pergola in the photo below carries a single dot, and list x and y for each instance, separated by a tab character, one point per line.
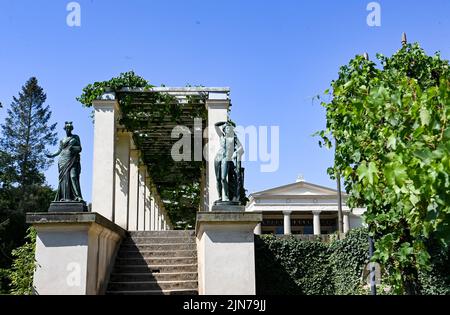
137	173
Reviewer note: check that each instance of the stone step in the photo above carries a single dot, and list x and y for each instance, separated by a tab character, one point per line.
155	269
155	292
157	240
157	261
152	285
156	253
166	246
171	233
148	276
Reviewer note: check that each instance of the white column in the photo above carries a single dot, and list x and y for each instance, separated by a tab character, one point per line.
152	214
141	194
148	204
217	106
105	112
133	203
346	221
258	229
287	222
316	222
122	179
158	223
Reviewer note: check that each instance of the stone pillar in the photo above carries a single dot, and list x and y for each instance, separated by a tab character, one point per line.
346	220
152	214
226	252
133	203
148	204
258	229
159	213
75	252
141	201
287	222
122	167
217	106
103	190
316	222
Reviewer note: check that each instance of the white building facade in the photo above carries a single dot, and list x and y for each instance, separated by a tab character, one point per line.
302	208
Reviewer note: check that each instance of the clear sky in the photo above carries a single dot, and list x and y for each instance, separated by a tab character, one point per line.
275	56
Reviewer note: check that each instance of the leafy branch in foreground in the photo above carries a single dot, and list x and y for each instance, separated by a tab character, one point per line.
392	133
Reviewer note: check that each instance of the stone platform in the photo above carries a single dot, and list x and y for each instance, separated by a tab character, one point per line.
68	206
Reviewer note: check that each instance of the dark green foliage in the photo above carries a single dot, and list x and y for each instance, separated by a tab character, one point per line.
290	266
25	134
348	258
23	266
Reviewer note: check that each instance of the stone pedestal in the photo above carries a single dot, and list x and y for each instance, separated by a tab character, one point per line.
68	206
226	252
75	252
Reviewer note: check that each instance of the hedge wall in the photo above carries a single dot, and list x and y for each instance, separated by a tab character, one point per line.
287	265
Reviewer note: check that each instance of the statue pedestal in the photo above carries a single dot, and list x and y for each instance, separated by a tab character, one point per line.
68	206
228	207
226	252
75	252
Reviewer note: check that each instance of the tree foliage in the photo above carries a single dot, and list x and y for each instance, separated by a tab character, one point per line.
391	127
23	266
24	136
26	132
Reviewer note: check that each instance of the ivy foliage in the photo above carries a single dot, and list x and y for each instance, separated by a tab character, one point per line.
292	267
289	266
22	269
145	115
391	127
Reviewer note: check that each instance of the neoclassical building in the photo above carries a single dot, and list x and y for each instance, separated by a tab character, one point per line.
301	208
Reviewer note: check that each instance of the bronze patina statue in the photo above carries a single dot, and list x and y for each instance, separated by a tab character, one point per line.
69	168
227	163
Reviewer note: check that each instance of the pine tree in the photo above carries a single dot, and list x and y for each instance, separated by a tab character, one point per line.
26	132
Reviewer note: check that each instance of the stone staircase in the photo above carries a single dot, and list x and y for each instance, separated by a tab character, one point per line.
155	263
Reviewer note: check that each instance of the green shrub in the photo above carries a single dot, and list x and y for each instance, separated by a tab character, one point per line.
348	259
287	265
23	266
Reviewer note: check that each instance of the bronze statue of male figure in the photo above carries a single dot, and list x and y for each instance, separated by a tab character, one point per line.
227	164
69	166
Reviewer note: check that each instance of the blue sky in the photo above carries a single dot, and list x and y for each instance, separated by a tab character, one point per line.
275	56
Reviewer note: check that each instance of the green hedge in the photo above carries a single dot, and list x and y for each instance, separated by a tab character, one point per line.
286	265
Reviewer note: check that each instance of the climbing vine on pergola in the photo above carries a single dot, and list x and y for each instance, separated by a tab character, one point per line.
150	116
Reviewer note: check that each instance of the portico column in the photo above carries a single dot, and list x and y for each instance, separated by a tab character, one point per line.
287	222
152	213
316	222
148	203
217	105
159	217
346	221
258	229
105	116
133	203
122	176
141	202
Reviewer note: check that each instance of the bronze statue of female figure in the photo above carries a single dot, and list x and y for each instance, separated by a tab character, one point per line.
69	166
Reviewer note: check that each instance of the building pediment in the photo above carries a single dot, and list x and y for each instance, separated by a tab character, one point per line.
296	189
